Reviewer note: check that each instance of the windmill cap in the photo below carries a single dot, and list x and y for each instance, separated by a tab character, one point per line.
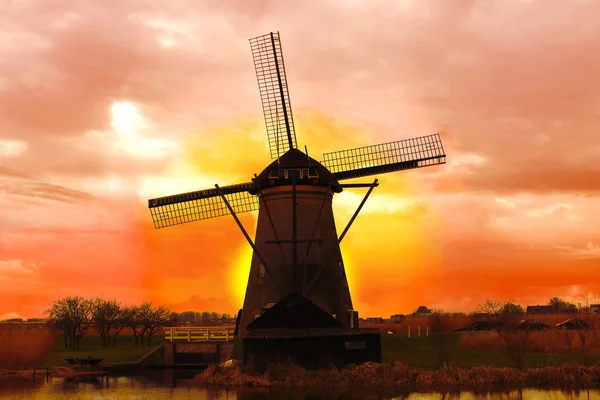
295	159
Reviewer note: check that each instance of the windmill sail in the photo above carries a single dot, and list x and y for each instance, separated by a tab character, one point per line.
202	204
387	157
272	84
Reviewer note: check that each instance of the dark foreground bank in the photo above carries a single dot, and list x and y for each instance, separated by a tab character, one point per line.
398	376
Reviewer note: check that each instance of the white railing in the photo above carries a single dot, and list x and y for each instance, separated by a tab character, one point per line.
199	333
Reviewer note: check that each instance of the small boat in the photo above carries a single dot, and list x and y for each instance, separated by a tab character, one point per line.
83	360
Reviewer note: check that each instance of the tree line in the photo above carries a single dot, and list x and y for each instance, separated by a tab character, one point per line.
74	316
199	318
555	305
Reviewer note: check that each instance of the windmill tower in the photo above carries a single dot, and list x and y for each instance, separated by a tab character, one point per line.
296	248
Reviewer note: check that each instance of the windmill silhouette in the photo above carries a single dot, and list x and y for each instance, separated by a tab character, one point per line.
296	248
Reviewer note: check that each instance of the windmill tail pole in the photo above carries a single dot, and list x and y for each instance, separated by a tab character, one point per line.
260	257
333	253
360	206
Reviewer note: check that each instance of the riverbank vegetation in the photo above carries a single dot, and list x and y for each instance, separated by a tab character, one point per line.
399	376
25	345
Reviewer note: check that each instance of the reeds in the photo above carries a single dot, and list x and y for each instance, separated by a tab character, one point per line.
398	376
24	345
547	341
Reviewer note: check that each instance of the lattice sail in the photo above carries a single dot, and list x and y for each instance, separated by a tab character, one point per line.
272	83
203	204
387	157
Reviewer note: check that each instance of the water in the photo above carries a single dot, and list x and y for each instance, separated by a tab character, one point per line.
159	385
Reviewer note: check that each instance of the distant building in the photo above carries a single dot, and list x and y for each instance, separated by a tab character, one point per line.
375	320
397	318
595	308
422	310
540	310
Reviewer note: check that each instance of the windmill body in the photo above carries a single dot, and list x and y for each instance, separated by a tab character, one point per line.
297	301
299	243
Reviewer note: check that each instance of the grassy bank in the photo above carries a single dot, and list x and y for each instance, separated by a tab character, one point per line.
398	376
472	349
125	351
29	345
463	350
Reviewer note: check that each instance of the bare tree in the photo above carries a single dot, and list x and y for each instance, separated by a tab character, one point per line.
135	322
122	321
83	310
59	315
74	315
106	314
155	319
442	324
489	310
505	316
585	321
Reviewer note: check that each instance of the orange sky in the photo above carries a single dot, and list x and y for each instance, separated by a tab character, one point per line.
106	104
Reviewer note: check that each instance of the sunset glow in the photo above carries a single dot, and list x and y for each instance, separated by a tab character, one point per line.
104	107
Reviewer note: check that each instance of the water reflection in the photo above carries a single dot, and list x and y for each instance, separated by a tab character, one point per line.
167	384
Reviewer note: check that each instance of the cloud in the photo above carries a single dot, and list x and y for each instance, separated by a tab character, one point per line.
505	203
590	251
17	267
42	190
518	108
550	210
12	148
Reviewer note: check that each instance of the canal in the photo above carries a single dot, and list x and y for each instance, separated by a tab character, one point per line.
170	384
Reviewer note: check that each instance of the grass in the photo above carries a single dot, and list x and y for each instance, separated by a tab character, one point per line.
24	345
125	351
32	345
422	352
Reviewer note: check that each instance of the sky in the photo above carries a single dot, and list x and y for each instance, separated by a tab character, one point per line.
104	105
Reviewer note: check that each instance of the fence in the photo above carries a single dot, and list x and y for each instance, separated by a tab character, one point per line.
199	333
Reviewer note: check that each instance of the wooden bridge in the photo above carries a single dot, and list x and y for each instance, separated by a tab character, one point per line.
199	333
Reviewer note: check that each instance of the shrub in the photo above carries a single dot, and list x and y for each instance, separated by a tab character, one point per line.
25	345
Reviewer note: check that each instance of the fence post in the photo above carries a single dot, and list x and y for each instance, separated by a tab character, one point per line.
409	331
427	334
419	330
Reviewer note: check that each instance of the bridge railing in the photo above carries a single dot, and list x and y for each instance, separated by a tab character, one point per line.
199	333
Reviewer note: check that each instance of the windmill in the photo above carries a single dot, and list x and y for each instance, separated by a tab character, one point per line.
296	248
